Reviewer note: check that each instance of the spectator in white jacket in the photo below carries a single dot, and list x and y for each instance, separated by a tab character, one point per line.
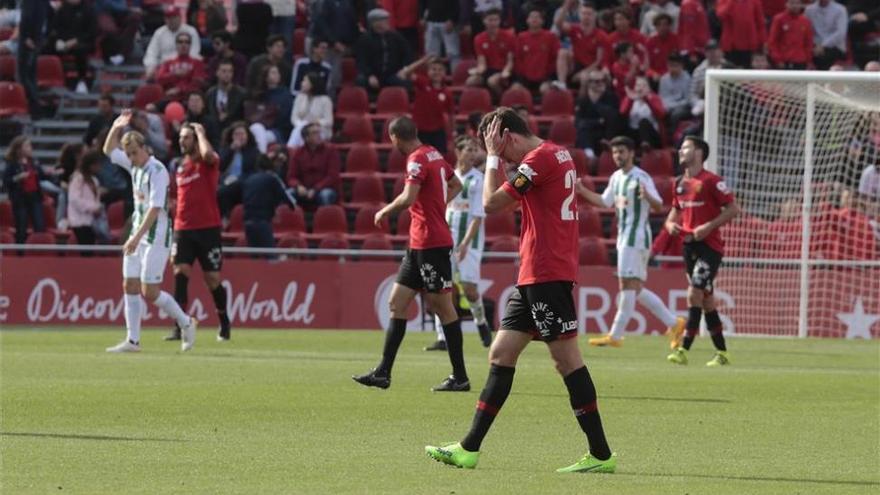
163	45
311	106
85	212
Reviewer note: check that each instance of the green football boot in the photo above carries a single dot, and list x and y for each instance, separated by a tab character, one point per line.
454	455
721	359
678	356
590	464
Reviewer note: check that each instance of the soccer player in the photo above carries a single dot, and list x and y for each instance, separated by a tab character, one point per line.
632	192
197	223
543	305
465	217
427	265
147	248
702	203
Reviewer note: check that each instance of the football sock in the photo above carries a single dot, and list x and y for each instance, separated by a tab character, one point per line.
439	328
181	289
713	323
650	300
133	317
492	397
170	306
626	304
219	295
454	343
582	396
692	326
478	311
393	338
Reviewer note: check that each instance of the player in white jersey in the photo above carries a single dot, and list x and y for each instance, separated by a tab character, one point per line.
147	249
465	216
632	193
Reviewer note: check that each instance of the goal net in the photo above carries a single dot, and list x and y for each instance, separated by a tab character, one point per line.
802	260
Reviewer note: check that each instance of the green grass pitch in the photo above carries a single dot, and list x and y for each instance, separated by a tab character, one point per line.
277	412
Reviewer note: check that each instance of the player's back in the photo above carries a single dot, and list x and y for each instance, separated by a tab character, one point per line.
427	168
549	237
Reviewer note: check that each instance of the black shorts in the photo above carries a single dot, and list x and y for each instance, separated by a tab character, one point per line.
702	264
533	86
428	270
545	310
202	244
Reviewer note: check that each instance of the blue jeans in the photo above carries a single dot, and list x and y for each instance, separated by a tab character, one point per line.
326	196
259	233
27	74
24	206
436	38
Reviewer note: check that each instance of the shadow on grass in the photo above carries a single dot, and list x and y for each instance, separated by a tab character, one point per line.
86	437
758	478
635	398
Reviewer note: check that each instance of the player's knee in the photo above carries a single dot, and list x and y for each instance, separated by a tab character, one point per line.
500	357
150	292
131	286
471	293
708	303
695	297
212	279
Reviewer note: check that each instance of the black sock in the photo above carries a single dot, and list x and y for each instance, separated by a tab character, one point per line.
454	344
181	291
692	326
219	295
492	397
393	338
582	396
716	329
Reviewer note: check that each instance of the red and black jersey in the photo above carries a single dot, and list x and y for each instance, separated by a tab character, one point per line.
196	182
700	199
426	167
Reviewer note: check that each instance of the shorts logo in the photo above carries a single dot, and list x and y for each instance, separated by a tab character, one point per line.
428	274
544	317
701	275
214	256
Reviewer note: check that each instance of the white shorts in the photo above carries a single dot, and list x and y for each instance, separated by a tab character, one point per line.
147	263
468	269
633	263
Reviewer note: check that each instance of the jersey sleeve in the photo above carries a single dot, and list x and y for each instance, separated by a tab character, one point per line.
608	193
119	157
416	171
651	188
158	188
719	192
531	172
476	195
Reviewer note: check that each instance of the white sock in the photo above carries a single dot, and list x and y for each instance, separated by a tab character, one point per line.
650	300
170	306
478	311
439	328
626	304
133	317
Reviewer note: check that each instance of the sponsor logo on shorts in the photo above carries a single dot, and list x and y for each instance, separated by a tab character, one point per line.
701	275
544	317
214	256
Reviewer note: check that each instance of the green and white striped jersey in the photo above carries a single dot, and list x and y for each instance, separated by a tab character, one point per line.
467	205
633	229
150	185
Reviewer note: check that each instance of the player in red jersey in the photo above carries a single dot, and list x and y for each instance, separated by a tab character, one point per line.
197	223
543	305
427	266
701	205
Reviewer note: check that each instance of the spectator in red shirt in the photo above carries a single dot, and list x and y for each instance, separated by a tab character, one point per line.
743	29
536	52
433	108
183	74
625	68
791	38
693	29
589	48
313	171
643	110
661	45
624	32
772	7
494	48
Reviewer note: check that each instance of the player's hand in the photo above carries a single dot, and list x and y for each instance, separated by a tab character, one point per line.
124	118
673	228
642	194
496	139
199	128
702	232
461	252
130	245
378	217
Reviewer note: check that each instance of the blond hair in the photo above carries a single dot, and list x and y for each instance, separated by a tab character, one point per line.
133	137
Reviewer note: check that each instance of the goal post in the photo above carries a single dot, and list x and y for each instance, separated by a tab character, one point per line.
804	258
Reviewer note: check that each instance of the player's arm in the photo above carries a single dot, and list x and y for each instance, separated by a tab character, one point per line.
135	238
648	192
728	212
495	199
453	187
202	142
591	197
673	221
408	70
115	134
403	200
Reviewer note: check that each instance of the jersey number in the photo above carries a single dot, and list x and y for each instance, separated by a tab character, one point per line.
567	212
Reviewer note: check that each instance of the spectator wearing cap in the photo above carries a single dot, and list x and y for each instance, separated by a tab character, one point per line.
163	44
589	48
221	42
315	63
337	22
743	29
405	20
72	32
381	54
494	49
225	100
183	74
714	60
275	50
441	35
660	45
829	20
537	50
313	171
652	9
675	91
693	30
790	43
597	114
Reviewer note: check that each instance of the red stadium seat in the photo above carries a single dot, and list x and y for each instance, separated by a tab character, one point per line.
299	42
592	251
50	72
557	102
399	183
6	237
562	132
366	190
334	241
292	240
7	221
474	100
657	162
378	242
236	220
581	161
392	100
116	217
363	222
500	225
606	165
329	219
517	95
396	162
40	238
48	214
146	94
739	238
362	159
358	129
7	67
349	71
460	74
288	221
589	223
505	244
12	100
352	100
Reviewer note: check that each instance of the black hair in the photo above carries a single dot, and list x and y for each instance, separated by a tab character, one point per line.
510	120
404	128
623	141
699	143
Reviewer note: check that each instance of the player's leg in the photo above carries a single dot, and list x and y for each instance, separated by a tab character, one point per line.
564	63
132	305
153	262
629	271
210	256
469	274
647	298
716	331
697	271
441	302
440	342
182	256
